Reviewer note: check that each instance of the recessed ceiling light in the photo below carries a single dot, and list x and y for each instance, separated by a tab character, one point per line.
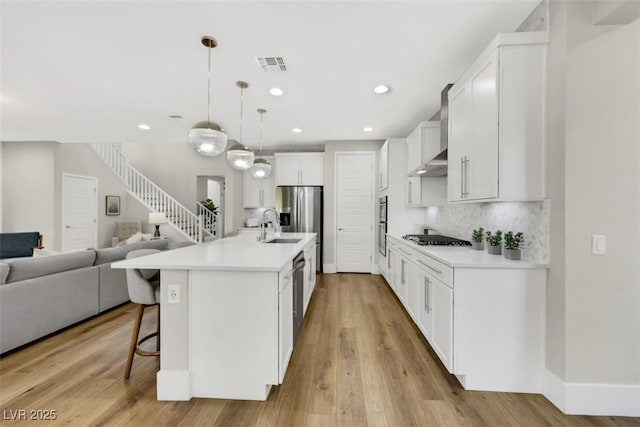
276	91
296	130
367	129
144	126
381	89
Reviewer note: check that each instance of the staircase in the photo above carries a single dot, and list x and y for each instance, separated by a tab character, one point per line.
195	228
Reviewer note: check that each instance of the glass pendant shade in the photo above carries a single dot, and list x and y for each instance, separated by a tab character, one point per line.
261	169
208	139
239	157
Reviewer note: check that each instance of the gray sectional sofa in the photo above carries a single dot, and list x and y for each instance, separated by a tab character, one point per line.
41	295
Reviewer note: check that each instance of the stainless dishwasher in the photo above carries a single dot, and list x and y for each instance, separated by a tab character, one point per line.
298	297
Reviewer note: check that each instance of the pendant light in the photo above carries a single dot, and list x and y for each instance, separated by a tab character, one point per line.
208	138
261	167
239	156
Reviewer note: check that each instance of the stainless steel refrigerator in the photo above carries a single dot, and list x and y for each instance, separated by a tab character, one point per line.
300	210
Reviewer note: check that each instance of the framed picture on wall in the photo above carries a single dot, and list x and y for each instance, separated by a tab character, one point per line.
112	204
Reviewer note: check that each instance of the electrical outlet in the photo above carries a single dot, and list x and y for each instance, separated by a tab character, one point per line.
173	294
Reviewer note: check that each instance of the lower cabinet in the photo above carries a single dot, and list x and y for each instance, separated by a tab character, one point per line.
489	333
285	321
309	273
435	318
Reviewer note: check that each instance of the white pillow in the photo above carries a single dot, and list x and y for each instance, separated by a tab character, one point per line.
146	237
134	239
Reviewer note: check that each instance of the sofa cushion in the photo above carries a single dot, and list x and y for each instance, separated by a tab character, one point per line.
106	255
15	245
160	244
4	272
27	268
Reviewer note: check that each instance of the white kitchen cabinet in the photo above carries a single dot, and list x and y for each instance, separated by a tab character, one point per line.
309	273
496	127
299	169
285	322
259	193
490	331
383	165
423	144
414	191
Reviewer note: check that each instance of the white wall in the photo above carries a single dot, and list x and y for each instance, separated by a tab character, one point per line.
28	188
602	197
175	168
213	191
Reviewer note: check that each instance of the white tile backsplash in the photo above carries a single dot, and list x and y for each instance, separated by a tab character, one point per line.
532	218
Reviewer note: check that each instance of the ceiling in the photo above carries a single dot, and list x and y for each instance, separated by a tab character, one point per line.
83	71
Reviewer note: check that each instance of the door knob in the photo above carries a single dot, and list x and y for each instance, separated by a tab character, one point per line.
340	229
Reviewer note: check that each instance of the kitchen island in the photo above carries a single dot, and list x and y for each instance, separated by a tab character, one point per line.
227	331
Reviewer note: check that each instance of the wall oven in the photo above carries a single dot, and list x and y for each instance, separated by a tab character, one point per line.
382	226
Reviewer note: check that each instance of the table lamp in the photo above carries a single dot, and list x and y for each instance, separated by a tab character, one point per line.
157	218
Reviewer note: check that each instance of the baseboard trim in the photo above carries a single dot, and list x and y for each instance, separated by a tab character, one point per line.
173	385
553	389
329	269
592	399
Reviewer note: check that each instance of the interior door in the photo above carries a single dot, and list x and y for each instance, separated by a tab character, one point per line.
79	212
354	212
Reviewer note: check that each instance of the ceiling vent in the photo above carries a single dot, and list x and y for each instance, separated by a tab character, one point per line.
271	63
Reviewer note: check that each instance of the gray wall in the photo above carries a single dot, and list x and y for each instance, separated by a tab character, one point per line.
593	302
78	159
329	188
602	197
28	188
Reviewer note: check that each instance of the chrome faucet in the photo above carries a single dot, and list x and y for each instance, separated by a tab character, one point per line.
263	224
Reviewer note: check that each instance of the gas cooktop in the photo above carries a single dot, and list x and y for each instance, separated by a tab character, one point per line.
435	240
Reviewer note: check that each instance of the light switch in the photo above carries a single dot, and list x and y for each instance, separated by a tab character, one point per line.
598	244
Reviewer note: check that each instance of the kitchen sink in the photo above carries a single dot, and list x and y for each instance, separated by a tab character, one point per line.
283	241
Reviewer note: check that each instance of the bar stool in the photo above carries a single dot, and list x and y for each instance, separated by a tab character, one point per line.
144	290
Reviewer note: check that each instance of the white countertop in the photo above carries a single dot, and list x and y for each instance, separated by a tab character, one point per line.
465	257
236	253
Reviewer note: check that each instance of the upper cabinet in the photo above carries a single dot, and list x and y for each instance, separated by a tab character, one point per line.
259	193
496	127
423	144
300	169
383	165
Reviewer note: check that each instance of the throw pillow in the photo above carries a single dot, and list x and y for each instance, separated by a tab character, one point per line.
134	239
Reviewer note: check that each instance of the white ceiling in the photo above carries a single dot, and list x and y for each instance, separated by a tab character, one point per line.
92	71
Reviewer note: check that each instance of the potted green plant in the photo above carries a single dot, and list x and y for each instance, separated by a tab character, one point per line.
495	242
210	206
512	245
477	239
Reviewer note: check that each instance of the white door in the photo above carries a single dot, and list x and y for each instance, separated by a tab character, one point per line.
354	212
79	212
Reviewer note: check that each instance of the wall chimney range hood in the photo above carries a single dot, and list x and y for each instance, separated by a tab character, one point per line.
438	165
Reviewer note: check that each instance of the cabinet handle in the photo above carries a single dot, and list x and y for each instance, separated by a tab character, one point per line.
466	173
402	271
462	177
409	191
389	258
428	295
426	307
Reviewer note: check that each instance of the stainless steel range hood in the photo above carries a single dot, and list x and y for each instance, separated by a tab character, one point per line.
438	165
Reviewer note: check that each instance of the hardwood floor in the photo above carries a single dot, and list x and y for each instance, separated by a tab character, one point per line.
359	361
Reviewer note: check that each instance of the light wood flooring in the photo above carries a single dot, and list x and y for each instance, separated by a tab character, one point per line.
359	361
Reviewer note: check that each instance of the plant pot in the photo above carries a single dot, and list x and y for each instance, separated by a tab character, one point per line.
478	246
494	250
513	253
